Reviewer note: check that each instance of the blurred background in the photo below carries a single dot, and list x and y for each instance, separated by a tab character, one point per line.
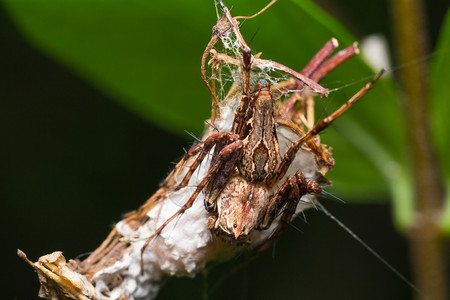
74	160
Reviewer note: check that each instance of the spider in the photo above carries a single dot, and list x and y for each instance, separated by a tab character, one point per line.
247	186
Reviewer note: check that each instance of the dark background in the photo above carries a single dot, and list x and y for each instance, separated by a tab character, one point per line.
73	161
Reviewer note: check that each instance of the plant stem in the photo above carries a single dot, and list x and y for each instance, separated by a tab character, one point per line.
426	245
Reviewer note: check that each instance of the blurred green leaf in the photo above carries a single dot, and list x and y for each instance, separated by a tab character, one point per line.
440	108
146	54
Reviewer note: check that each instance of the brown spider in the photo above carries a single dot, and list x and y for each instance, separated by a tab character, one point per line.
246	186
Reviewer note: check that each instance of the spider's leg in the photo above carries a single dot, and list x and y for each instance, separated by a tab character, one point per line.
225	163
286	199
293	149
316	69
332	63
285	202
319	57
219	139
323	158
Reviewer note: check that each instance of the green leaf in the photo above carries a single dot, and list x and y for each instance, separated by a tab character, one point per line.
440	109
144	55
147	56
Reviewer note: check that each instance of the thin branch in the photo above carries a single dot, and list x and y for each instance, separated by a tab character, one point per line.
427	249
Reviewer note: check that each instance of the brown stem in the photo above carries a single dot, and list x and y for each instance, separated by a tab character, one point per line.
426	245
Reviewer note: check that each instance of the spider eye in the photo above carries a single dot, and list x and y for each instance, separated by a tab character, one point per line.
234	225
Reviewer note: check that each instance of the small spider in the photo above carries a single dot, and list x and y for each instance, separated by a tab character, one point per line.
246	185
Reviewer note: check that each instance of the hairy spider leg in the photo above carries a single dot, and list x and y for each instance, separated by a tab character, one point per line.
289	105
316	69
285	201
289	156
332	63
218	139
241	116
287	198
319	57
323	159
227	157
